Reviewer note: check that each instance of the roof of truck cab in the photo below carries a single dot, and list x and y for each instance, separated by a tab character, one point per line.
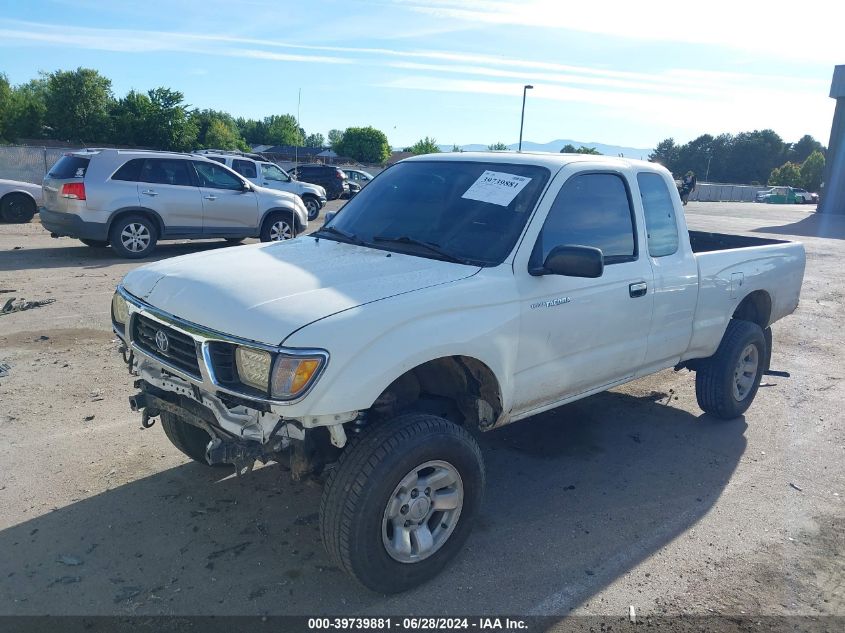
546	159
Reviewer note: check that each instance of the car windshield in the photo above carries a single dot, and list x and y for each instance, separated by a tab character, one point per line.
271	172
472	212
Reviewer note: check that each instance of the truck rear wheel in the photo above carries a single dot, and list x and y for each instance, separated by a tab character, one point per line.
402	501
189	439
726	383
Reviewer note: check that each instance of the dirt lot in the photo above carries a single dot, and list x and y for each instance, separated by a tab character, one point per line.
632	497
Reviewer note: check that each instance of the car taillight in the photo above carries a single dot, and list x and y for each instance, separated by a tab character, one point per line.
73	190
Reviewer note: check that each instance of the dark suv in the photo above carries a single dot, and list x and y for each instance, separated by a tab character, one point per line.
332	179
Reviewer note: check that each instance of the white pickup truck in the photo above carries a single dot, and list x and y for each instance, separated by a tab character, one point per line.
455	293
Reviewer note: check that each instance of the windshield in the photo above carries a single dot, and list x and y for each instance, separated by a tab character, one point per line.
467	211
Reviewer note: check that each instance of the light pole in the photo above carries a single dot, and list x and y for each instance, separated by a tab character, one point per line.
525	89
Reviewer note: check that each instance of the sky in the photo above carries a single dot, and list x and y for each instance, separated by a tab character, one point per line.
615	72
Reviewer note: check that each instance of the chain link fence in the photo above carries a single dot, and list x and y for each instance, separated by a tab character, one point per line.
27	163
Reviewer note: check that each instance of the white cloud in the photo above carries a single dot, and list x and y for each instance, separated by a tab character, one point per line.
769	28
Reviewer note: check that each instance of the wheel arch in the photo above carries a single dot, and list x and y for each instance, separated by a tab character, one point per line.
461	388
291	211
755	307
155	217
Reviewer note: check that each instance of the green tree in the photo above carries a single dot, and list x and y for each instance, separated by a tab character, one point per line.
753	156
283	130
27	114
457	148
364	144
5	106
131	116
217	130
424	146
315	140
78	104
170	125
335	136
497	147
806	145
588	150
788	174
253	132
666	154
812	171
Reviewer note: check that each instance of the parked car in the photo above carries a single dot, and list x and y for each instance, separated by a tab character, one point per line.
332	179
354	189
358	176
131	199
779	195
19	201
458	292
805	197
262	172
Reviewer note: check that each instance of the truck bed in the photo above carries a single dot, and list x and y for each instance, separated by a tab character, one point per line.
704	242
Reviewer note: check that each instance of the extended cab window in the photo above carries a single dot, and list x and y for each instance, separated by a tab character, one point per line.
271	172
166	171
216	177
659	215
245	168
591	210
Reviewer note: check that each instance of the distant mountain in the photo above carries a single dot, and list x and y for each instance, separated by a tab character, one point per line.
556	146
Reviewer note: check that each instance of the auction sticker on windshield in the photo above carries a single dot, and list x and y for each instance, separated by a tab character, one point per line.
496	187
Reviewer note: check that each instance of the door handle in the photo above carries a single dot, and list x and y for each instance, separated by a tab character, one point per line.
150	192
638	289
209	197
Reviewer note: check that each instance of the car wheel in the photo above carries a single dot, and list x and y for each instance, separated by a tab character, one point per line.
95	243
17	207
133	236
726	383
313	207
189	439
277	227
402	501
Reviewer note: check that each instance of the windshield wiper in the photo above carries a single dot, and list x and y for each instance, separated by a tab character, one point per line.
333	230
430	246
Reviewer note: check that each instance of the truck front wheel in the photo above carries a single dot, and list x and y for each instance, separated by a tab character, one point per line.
402	501
726	383
189	439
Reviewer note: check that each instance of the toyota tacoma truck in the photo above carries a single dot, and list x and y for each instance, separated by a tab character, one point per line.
456	293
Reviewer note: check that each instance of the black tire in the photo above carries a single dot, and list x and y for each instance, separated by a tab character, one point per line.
357	491
95	243
715	377
312	205
191	440
133	223
18	208
268	233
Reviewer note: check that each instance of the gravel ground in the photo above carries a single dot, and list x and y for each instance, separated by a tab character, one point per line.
631	497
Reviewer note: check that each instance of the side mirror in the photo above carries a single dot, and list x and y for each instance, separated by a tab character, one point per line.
245	186
328	217
572	261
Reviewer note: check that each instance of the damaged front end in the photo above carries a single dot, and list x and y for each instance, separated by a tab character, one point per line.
196	375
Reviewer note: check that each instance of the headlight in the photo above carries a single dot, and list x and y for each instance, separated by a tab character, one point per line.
293	374
119	309
253	367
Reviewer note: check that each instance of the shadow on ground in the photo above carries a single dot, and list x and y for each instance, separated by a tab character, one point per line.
575	497
826	225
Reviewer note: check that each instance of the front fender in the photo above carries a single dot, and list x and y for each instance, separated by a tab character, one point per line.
373	344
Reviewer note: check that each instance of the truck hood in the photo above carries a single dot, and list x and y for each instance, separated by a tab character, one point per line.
265	292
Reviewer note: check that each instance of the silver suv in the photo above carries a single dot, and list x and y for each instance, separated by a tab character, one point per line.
262	172
131	199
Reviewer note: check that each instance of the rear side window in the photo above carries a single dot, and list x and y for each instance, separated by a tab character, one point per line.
166	171
69	166
245	168
131	170
660	220
591	210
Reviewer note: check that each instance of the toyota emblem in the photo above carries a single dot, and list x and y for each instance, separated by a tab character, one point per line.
162	342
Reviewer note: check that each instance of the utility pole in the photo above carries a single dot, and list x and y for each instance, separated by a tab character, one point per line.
525	89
